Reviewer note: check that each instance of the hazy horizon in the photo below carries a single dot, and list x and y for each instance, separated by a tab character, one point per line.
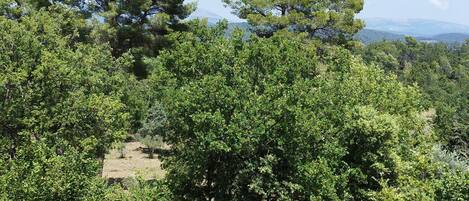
453	11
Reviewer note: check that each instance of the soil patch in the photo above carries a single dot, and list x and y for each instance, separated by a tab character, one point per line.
135	163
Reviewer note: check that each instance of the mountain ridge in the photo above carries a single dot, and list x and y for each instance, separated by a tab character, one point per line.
378	29
368	36
415	27
211	17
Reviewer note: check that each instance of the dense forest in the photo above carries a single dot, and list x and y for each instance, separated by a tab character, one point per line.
298	110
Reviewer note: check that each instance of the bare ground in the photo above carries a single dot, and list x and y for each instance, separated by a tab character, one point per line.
135	163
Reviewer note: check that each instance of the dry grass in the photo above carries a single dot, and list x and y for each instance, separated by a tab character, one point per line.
135	163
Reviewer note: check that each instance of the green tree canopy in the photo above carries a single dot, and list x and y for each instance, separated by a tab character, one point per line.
38	173
63	103
266	119
330	20
56	90
442	72
262	118
140	27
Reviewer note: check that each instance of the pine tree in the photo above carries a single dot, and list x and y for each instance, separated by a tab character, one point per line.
329	20
136	26
140	27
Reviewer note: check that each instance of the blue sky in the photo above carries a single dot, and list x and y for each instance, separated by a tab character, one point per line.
456	11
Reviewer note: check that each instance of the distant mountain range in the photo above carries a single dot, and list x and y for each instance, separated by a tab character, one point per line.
415	27
424	30
378	29
369	36
211	17
448	38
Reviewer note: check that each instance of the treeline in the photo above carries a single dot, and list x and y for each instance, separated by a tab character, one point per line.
298	111
441	71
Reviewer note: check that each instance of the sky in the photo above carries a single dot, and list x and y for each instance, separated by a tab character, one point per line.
456	11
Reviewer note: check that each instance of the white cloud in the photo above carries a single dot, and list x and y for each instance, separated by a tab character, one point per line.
442	4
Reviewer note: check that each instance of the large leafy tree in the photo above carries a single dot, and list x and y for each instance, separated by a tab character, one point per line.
63	103
56	90
330	20
265	119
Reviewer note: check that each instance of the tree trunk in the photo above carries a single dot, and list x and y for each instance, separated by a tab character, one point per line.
100	157
151	153
209	176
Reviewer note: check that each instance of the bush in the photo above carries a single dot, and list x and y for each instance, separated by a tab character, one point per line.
151	143
453	181
139	189
453	186
38	173
120	147
153	128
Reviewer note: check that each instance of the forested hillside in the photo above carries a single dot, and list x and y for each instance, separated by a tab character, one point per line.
297	110
441	72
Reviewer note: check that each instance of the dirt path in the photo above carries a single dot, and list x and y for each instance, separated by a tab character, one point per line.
135	163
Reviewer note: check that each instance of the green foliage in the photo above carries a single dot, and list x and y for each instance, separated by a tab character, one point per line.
38	173
134	94
330	20
56	89
265	119
156	122
282	117
442	72
153	128
120	147
135	27
64	103
61	94
139	27
454	186
139	189
151	143
453	183
443	177
451	159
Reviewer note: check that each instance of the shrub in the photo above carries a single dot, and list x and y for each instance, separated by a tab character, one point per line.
151	143
120	147
153	128
38	173
139	189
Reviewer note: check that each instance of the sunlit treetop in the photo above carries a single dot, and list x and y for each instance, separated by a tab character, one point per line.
330	20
